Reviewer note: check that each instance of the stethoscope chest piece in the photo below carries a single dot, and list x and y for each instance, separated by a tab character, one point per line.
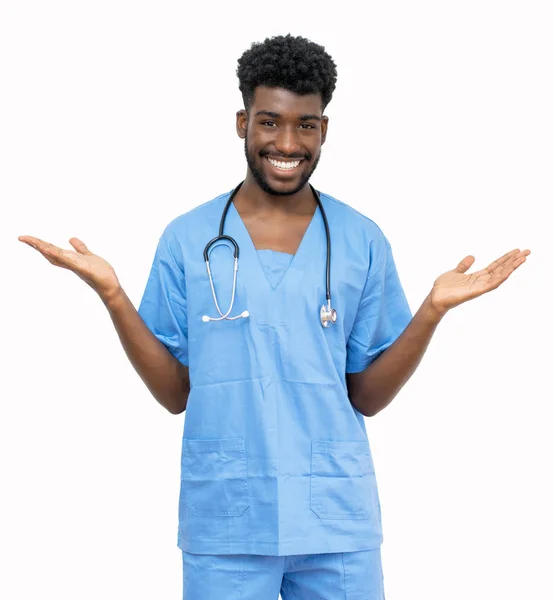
327	315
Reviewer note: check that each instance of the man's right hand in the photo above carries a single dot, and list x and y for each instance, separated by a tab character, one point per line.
92	269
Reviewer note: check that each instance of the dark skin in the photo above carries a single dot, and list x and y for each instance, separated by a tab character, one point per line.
287	127
276	205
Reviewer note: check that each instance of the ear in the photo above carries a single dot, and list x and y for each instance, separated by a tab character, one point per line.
324	125
242	123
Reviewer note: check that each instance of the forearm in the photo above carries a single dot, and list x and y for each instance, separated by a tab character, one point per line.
375	387
165	377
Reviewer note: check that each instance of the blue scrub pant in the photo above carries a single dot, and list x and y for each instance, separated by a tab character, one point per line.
332	576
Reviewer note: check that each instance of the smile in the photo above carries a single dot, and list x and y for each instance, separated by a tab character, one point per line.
282	165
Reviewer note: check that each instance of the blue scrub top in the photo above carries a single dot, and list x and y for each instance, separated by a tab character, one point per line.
275	459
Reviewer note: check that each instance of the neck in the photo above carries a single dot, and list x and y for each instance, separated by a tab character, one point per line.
251	198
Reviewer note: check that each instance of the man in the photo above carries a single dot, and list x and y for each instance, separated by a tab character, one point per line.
278	488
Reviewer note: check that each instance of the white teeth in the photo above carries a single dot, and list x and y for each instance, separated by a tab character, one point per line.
285	166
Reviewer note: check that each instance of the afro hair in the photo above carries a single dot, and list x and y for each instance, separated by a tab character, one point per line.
293	63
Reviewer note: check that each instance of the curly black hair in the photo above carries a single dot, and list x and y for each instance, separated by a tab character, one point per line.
293	63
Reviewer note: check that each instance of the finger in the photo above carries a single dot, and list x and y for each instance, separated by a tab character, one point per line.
41	247
79	246
518	261
464	264
38	244
499	262
514	261
55	255
30	240
501	274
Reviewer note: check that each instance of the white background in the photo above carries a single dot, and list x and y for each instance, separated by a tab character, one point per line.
117	116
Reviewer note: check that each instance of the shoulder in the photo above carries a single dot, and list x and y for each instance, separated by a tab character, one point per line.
347	217
361	237
189	230
197	217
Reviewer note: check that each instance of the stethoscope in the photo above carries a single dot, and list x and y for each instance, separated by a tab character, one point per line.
327	314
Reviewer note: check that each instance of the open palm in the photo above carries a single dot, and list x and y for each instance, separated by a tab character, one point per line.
92	269
454	287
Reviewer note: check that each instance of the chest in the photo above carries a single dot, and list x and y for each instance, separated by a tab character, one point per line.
281	235
281	294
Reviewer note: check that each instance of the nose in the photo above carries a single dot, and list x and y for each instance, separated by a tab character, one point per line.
287	140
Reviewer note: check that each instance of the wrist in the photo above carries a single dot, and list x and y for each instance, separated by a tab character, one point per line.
112	298
431	312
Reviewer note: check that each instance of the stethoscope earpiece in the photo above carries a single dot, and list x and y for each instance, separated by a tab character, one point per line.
243	315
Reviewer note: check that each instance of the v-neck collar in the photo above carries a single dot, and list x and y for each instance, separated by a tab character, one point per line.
249	253
274	264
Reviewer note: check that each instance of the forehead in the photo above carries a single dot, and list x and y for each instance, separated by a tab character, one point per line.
283	101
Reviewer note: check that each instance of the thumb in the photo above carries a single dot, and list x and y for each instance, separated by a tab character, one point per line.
464	265
79	246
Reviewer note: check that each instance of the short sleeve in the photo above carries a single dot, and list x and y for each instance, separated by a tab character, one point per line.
164	303
383	312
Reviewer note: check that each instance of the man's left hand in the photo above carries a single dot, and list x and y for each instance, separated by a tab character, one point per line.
455	287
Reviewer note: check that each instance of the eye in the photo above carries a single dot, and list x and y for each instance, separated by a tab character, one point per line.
268	123
307	126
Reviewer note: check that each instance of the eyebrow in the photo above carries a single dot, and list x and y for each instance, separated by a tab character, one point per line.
275	115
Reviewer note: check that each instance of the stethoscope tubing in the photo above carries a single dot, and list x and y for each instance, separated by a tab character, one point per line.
236	251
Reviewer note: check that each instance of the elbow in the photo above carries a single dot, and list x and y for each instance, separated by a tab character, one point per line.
363	406
366	412
373	412
366	406
180	407
176	406
373	407
178	403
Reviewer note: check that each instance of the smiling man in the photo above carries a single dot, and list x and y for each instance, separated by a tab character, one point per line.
274	315
289	173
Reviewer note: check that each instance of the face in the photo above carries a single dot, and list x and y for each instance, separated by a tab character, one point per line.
283	133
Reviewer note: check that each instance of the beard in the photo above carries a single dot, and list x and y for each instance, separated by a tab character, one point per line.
261	180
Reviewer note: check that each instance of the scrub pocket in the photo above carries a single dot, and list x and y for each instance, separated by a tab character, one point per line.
342	481
214	477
